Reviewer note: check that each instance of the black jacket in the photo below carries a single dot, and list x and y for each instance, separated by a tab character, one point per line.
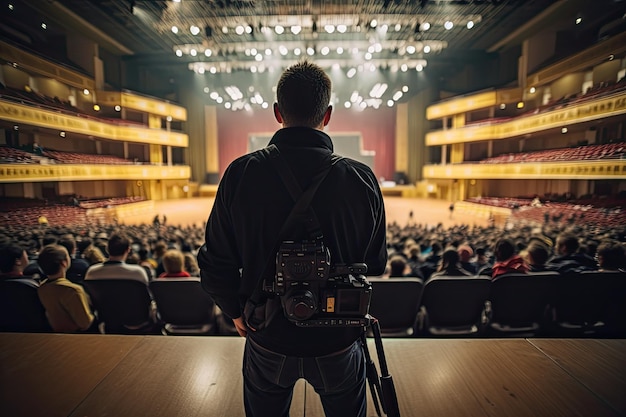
250	208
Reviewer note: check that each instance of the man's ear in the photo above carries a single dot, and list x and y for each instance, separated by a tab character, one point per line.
329	111
277	115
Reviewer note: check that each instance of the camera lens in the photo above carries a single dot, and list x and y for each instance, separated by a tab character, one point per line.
301	305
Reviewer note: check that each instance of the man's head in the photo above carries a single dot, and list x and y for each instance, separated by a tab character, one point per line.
303	95
13	259
118	245
173	261
68	242
53	259
567	244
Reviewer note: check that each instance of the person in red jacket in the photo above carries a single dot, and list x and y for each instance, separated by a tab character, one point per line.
507	259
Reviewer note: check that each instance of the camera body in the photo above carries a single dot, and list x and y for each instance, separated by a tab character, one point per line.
312	292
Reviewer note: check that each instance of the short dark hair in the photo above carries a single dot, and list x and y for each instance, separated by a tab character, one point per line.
505	249
50	258
568	240
9	253
118	244
303	94
611	255
68	242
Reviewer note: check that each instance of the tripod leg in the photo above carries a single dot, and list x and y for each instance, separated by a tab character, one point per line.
389	397
372	375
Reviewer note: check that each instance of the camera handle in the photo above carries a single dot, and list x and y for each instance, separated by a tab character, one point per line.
382	388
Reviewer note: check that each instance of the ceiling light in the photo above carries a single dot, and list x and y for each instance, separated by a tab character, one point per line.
118	108
520	105
43	25
390	103
325	50
397	96
258	57
351	72
296	29
310	50
174	29
62	134
297	52
410	49
419	67
86	92
427	49
224	29
96	107
329	28
179	53
194	30
208	52
239	30
339	50
405	88
206	90
193	52
448	25
532	90
374	23
249	29
404	67
342	28
579	20
279	29
564	130
398	27
470	24
347	104
201	70
268	52
283	50
425	26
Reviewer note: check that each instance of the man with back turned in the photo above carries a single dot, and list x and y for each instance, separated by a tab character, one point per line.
242	238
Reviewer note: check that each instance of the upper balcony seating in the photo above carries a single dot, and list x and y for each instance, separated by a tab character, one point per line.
579	153
84	158
10	155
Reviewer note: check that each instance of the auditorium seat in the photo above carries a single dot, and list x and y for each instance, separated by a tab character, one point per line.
184	307
395	303
519	304
454	306
122	306
20	307
590	304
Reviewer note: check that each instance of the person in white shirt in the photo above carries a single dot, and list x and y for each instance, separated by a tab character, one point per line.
119	247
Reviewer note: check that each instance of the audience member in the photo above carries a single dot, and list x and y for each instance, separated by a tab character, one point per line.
67	304
465	259
611	256
398	267
116	267
536	255
13	261
507	260
174	264
567	258
78	266
93	255
450	266
191	264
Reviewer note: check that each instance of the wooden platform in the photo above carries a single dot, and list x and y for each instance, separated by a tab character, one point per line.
106	375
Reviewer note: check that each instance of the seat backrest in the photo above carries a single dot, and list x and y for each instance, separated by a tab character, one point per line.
120	303
519	299
452	301
591	296
182	301
395	303
20	308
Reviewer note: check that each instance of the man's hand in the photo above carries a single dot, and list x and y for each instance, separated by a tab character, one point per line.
241	327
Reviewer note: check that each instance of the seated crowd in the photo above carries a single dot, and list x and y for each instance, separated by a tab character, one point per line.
58	260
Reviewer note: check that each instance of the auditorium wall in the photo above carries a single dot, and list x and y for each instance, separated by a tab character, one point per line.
377	128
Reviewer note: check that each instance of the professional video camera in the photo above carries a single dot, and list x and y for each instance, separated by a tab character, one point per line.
313	293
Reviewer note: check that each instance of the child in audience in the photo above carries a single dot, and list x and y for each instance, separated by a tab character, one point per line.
66	303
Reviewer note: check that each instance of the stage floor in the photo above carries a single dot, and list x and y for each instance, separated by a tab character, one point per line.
195	211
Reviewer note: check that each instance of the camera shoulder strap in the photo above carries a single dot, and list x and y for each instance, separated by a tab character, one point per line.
301	210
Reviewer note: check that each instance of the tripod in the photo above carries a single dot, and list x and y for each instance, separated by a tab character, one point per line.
382	388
